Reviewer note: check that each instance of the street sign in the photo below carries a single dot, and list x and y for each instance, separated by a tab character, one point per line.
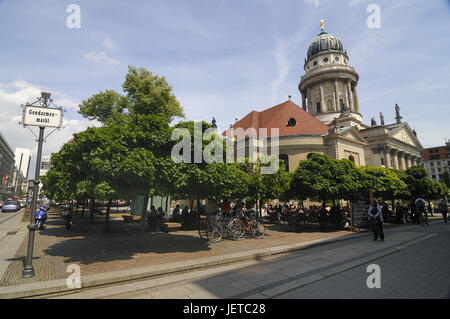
42	116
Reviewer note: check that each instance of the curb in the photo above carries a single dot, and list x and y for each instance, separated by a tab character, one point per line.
40	289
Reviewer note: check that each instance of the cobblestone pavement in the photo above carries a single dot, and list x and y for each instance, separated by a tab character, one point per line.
128	246
322	267
46	266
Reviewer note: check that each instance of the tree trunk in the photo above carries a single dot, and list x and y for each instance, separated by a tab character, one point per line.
144	207
108	208
92	209
84	206
258	207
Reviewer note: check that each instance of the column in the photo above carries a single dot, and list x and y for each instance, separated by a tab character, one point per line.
355	97
308	96
347	98
335	106
322	99
402	160
395	158
336	96
387	156
408	160
419	161
350	96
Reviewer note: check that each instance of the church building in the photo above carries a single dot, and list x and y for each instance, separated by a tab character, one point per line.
330	121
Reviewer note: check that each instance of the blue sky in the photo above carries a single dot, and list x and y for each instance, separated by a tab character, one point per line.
223	58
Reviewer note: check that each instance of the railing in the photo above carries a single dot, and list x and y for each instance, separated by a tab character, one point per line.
325	67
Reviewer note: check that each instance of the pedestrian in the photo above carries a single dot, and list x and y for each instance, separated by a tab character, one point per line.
431	209
398	213
443	207
376	219
421	211
404	213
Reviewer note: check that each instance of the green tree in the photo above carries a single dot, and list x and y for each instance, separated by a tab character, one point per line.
385	182
417	181
150	94
145	94
446	177
325	179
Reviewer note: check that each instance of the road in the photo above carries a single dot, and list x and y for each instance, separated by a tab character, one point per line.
413	263
418	271
12	233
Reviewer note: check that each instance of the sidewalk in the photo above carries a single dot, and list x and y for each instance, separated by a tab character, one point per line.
12	233
128	252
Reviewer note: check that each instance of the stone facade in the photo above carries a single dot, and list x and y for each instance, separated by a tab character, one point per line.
330	121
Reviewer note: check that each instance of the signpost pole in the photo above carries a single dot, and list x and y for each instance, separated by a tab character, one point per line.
43	117
28	270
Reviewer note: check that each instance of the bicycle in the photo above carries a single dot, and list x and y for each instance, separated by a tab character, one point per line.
253	227
228	227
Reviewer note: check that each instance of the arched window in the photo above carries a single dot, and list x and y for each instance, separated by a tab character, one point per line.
351	158
319	107
329	105
285	159
341	101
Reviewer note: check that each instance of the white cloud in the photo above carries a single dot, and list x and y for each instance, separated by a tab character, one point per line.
283	59
15	93
316	3
313	2
100	57
281	54
108	43
355	2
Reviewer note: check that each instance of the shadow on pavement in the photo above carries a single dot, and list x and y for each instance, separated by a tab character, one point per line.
88	243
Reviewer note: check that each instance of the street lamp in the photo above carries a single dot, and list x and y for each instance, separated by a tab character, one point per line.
42	116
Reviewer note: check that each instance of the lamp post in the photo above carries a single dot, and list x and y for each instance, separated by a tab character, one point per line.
28	270
42	116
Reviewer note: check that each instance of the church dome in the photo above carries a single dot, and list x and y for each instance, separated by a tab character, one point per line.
324	42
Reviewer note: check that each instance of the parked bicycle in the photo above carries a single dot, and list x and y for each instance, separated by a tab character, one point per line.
253	227
225	227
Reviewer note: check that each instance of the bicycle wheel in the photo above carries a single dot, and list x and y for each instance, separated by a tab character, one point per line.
236	229
258	230
213	232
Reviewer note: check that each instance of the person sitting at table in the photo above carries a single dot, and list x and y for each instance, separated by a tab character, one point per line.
161	219
185	217
152	219
176	214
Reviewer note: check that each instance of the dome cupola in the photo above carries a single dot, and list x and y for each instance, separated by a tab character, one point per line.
328	87
324	42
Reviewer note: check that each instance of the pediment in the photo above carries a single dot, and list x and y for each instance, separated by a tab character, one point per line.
350	133
405	135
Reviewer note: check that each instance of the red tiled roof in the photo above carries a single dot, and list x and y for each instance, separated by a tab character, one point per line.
278	116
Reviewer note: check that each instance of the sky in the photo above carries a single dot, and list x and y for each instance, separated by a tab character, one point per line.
223	58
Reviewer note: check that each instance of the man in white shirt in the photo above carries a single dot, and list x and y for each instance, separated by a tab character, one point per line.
376	219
